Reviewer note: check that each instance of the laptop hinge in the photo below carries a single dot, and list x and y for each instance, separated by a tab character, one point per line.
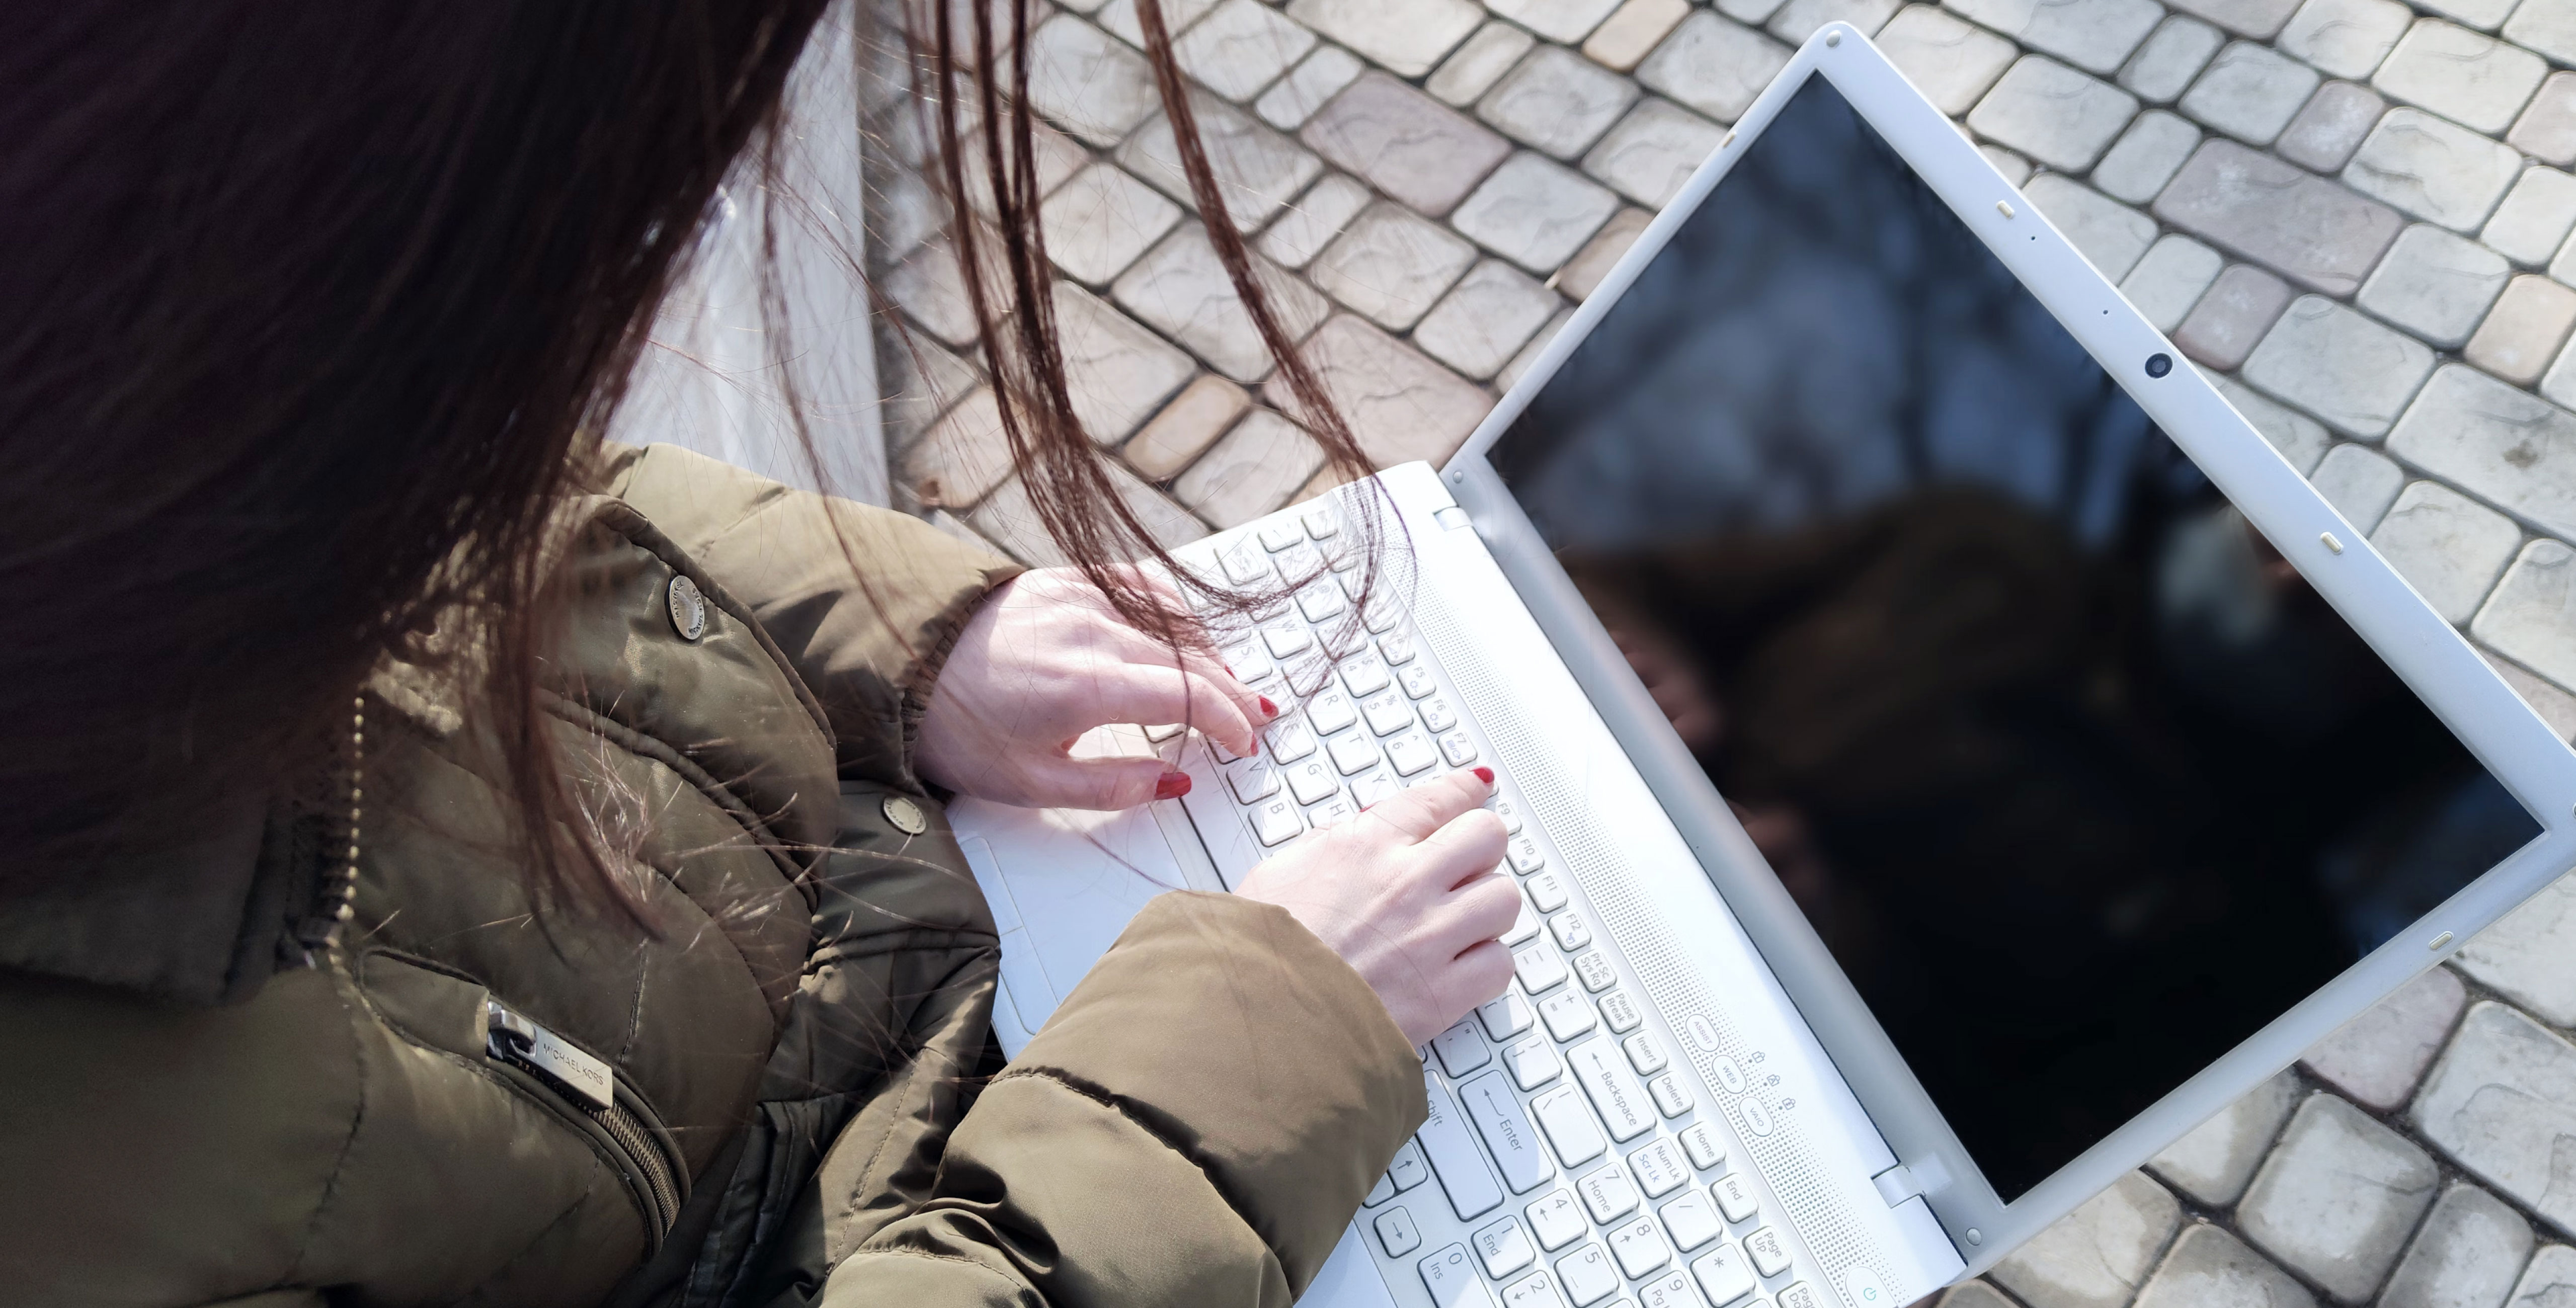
1896	1185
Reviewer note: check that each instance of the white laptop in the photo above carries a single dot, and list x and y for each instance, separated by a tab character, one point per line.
2032	761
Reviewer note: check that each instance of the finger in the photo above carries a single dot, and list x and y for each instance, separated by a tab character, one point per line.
1104	783
1481	909
1418	812
1477	977
1143	649
1150	696
1467	846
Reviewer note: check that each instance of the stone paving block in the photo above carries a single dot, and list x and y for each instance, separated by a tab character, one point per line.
2098	1255
1974	1294
2534	219
2209	1268
1006	519
2377	1058
2550	1280
2449	547
2301	225
2232	316
1522	362
2360	482
2502	1103
2173	55
2529	955
1485	319
930	289
2336	1200
2524	331
1100	221
1800	19
1308	87
1653	151
904	212
2215	1160
2330	126
2468	77
2556	706
2345	38
1407	144
2340	366
1185	428
1951	62
1753	12
2059	116
1582	274
1407	37
2435	284
918	379
1534	211
1563	21
1181	290
1241	47
2015	169
1391	264
1118	17
1253	470
1556	101
2094	35
1478	63
2548	26
2547	128
1058	157
2109	234
1714	66
1116	372
2468	1255
1257	169
2511	449
1400	405
2250	92
1632	31
2259	19
1087	81
2146	157
2480	14
963	456
2302	440
1312	220
2433	169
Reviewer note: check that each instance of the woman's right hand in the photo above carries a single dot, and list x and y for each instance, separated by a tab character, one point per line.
1408	894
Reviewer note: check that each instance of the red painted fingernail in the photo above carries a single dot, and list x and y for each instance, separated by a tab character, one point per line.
1268	708
1485	775
1172	785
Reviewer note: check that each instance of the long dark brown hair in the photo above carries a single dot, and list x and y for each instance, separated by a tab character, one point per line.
313	311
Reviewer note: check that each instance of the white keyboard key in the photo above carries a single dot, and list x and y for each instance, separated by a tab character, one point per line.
1162	733
1546	891
1505	1017
1555	1220
1734	1197
1364	676
1459	750
1290	740
1248	661
1367	790
1378	1193
1797	1294
1306	674
1460	1050
1533	1062
1244	564
1330	712
1538	966
1757	1118
1320	601
1396	1231
1702	1145
1587	1275
1566	1013
1638	1247
1644	1054
1497	1113
1619	1012
1437	715
1396	648
1342	637
1569	1126
1278	535
1451	1277
1607	1194
1416	680
1321	521
1410	752
1526	858
1670	1290
1769	1253
1593	966
1354	753
1670	1098
1691	1222
1298	561
1570	932
1536	1290
1332	812
1252	779
1275	821
1312	781
1286	637
1508	811
1615	1094
1722	1275
1424	777
1659	1168
1729	1075
1446	1140
1386	712
1408	1170
1381	615
1504	1247
1523	926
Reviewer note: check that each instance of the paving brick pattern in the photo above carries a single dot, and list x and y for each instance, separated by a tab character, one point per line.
2355	215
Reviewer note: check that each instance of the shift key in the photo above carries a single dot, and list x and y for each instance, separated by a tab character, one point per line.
1452	1151
1498	1117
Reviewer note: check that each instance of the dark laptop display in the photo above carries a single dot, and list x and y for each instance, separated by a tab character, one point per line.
2078	779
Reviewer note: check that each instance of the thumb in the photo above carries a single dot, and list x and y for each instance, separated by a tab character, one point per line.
1106	783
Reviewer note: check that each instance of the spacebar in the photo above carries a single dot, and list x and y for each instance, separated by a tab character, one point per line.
1462	1171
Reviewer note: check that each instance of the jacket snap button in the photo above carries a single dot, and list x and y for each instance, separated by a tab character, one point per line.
906	816
688	608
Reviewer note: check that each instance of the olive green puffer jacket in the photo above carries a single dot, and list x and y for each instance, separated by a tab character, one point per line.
786	1095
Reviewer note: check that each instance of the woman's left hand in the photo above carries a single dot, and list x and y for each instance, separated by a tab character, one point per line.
1047	659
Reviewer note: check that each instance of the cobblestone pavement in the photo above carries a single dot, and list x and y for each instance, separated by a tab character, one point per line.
2354	214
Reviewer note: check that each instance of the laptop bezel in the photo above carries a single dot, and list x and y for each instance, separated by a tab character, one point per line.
2427	652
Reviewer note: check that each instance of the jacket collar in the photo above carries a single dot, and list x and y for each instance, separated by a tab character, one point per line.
199	923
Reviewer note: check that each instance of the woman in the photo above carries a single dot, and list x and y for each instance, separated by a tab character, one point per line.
462	861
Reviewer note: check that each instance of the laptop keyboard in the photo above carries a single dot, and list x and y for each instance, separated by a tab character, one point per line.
1567	1162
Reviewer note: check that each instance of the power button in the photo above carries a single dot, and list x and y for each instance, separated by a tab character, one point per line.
1862	1288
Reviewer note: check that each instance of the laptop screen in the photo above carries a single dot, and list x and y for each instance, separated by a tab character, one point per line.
2077	778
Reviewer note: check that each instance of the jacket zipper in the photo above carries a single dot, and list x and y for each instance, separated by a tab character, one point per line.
591	1086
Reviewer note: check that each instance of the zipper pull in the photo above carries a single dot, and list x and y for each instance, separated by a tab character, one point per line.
518	1040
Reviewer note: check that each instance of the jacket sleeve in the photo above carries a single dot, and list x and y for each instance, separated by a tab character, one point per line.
1194	1126
864	602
